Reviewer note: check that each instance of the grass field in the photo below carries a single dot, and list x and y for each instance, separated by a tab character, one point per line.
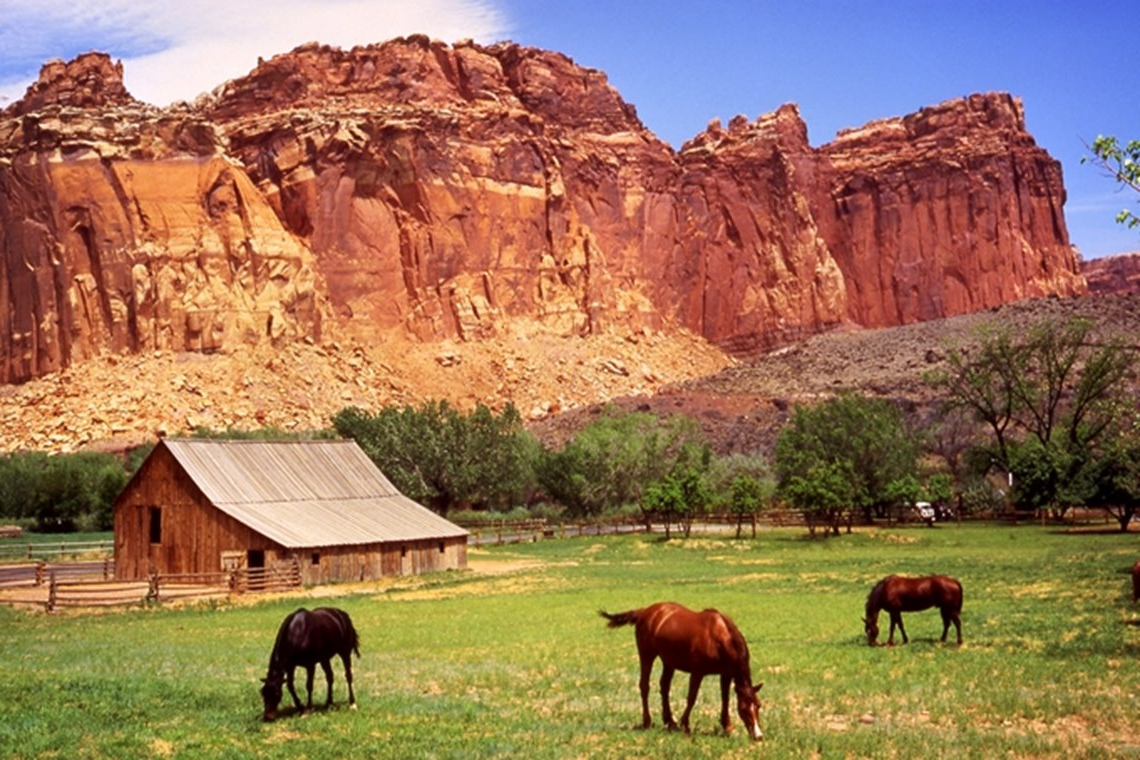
518	663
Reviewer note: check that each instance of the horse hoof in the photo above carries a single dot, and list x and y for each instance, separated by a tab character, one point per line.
352	706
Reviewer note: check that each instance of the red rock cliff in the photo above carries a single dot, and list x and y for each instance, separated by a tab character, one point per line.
455	191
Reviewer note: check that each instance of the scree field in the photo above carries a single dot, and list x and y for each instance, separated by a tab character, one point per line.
511	659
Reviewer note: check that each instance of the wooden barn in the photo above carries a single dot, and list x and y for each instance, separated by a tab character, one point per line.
209	506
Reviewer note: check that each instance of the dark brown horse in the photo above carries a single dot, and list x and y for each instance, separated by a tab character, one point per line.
1136	581
897	594
306	639
699	643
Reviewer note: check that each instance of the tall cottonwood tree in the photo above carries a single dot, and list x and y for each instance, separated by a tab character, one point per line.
1052	398
846	453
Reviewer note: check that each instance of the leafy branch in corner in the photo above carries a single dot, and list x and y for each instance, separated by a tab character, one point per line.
1122	162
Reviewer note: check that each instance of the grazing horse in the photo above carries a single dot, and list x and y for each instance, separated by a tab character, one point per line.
897	594
306	639
699	643
1136	581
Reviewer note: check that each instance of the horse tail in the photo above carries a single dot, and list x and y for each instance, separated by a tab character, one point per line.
617	620
353	636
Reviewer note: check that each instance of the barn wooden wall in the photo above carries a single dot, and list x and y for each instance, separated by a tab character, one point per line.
195	534
373	561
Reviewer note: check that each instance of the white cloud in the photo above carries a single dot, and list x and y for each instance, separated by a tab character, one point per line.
175	51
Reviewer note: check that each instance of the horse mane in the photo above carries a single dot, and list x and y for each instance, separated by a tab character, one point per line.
278	643
873	604
744	666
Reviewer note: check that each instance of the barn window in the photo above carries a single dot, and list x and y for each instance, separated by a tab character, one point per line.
442	548
403	552
315	559
156	525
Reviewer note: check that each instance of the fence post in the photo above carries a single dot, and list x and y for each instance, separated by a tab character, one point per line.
106	568
50	605
152	585
41	568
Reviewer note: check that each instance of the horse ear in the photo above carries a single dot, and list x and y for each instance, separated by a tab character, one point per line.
757	686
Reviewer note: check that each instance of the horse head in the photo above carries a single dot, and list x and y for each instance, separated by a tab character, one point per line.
748	707
871	627
271	696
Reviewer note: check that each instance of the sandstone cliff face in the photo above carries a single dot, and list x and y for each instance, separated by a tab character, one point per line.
947	211
1113	275
419	189
127	229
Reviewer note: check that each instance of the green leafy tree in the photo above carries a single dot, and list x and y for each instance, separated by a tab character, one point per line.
823	491
1060	384
747	497
683	495
1112	477
611	462
1122	162
742	485
19	479
438	456
852	438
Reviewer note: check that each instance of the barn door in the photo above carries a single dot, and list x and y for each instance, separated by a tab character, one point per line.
255	562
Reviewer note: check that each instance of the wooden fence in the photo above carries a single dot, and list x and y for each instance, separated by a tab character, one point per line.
157	588
13	550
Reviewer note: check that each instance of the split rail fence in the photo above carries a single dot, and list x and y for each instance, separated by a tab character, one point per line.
92	584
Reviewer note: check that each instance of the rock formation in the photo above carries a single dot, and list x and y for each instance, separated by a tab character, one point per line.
416	189
1113	275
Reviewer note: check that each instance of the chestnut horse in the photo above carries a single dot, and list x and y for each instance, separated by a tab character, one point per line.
306	639
699	643
897	594
1136	581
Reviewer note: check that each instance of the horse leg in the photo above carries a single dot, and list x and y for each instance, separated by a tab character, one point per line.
694	687
725	682
346	659
958	627
309	683
896	619
326	665
666	682
643	686
293	691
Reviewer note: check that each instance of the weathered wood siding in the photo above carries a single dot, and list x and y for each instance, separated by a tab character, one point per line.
194	532
373	561
195	535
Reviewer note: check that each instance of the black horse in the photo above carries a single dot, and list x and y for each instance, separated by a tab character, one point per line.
305	639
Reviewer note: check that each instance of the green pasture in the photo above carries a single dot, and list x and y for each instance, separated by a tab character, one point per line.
518	663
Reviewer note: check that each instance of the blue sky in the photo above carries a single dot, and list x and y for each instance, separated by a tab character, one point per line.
680	63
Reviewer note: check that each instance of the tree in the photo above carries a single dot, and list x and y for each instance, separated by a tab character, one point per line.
681	497
1112	477
742	485
1122	163
436	455
611	462
1049	395
848	448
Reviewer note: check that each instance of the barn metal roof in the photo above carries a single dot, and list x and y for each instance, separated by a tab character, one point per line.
305	494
